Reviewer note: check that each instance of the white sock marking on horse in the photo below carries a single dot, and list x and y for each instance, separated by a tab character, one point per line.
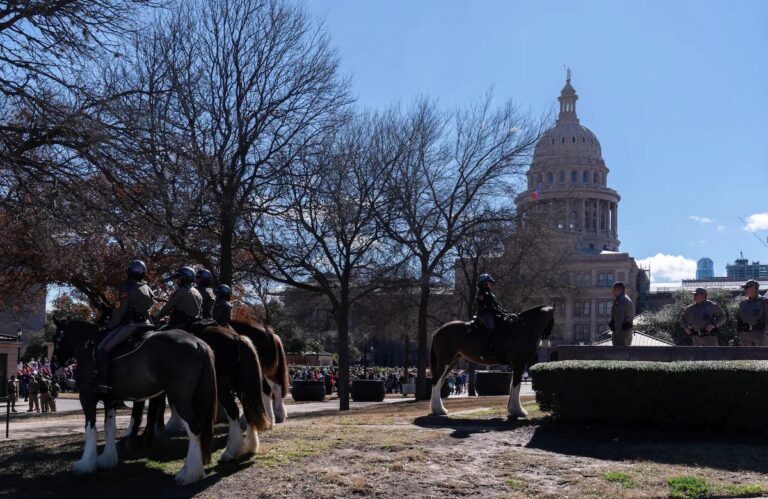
127	432
280	413
174	424
234	441
251	443
267	401
514	407
193	464
108	458
438	409
88	463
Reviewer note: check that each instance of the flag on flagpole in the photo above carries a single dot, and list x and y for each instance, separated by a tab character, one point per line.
537	193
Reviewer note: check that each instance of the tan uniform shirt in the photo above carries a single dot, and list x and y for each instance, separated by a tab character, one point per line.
622	311
208	299
754	314
222	312
698	316
135	301
185	301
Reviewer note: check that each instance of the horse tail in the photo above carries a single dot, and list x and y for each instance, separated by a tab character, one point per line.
249	384
205	400
281	372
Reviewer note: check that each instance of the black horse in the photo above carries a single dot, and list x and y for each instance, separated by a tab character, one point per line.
173	362
515	345
238	373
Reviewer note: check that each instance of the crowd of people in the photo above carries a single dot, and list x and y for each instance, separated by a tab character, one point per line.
37	385
394	377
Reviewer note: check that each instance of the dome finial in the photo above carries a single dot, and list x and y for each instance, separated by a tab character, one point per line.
568	100
567	73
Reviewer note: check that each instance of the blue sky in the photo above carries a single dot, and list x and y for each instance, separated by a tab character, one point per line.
677	93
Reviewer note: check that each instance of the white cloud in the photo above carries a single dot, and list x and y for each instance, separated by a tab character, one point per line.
720	228
757	221
669	268
701	220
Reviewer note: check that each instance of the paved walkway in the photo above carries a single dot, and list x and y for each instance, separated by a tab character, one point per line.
69	420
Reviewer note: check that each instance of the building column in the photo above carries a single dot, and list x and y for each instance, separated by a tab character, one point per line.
614	220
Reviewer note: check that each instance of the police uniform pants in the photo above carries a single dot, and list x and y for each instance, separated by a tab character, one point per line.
33	400
488	321
44	401
622	338
753	339
52	403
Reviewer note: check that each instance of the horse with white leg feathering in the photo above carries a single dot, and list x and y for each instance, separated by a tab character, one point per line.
514	344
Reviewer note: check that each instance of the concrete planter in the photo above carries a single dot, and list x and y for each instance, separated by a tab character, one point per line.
367	390
307	391
492	382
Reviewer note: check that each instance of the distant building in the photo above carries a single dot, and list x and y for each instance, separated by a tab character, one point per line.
741	269
705	268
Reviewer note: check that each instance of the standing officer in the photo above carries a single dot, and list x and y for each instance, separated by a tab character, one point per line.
622	316
222	309
204	288
135	301
701	319
185	303
752	317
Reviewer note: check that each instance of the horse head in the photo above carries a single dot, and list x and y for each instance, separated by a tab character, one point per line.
71	338
539	321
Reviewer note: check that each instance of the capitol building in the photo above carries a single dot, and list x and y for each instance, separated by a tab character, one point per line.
568	178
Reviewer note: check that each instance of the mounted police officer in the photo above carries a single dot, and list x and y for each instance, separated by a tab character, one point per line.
203	286
622	316
136	300
752	316
701	319
222	308
185	303
488	310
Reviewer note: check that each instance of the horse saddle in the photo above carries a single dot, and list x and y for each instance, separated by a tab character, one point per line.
134	342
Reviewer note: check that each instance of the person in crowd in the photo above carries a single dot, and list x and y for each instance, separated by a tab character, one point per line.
752	316
12	389
44	388
34	392
702	318
622	316
53	394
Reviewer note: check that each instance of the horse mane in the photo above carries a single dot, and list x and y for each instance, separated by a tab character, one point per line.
537	308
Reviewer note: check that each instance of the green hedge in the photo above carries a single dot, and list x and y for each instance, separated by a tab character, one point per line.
719	395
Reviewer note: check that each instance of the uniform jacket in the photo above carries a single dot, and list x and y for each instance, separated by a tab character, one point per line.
486	303
754	314
135	301
185	304
208	300
622	313
698	316
222	311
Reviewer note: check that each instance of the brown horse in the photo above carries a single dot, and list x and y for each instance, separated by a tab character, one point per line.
274	366
514	344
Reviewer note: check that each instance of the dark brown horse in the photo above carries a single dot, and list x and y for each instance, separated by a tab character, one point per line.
238	374
514	345
274	365
171	361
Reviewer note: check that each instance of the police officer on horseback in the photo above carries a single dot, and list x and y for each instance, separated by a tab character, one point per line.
222	309
185	304
203	286
136	299
488	310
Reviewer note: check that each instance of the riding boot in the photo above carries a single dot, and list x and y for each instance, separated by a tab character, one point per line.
102	371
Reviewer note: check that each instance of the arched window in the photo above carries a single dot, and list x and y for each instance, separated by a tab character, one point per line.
562	176
574	176
585	177
550	177
595	177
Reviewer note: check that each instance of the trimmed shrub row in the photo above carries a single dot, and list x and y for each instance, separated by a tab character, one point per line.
719	395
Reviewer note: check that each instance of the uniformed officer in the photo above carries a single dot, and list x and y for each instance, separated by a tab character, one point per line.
222	308
185	303
752	316
203	286
622	316
136	300
701	319
488	309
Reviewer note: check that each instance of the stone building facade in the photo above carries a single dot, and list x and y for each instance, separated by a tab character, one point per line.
568	179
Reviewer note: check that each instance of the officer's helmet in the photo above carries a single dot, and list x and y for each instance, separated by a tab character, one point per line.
136	269
223	290
485	279
186	274
203	276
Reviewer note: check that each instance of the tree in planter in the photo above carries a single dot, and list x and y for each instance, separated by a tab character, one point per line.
327	238
456	167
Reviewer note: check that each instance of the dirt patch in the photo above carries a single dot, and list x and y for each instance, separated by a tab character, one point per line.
395	451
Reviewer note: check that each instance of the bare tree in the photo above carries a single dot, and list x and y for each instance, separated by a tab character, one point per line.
457	165
327	239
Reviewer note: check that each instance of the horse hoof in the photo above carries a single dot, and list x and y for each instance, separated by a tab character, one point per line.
107	461
85	467
184	478
226	457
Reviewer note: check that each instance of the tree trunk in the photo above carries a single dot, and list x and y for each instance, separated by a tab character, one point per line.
343	348
407	345
423	353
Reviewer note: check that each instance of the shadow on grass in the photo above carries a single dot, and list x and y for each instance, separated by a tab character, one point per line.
732	452
43	469
466	427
